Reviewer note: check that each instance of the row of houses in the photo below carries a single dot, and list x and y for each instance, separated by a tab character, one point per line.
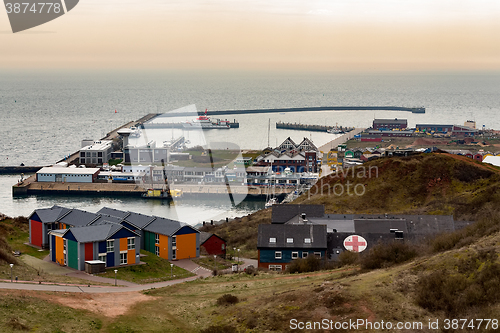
298	231
113	237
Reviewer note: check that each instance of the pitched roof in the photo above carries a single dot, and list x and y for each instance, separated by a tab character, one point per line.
106	219
139	220
281	232
78	218
95	233
284	213
113	212
50	215
164	226
204	236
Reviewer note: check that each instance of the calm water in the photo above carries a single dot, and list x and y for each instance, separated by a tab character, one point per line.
45	116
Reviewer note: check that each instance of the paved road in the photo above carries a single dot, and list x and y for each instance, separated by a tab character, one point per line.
129	286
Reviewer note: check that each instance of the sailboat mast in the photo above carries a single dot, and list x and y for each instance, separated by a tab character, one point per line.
268	131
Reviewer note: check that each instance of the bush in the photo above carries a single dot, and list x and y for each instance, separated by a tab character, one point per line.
227	299
348	258
475	285
387	254
309	264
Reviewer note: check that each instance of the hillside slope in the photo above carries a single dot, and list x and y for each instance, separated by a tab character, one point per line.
421	184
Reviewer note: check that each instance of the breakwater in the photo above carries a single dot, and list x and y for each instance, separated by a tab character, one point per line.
17	170
299	109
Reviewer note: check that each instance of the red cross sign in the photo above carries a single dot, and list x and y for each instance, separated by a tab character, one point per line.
355	243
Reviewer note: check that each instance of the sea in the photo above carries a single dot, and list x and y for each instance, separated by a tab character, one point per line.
45	116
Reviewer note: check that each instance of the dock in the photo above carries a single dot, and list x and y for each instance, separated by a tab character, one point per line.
313	128
340	140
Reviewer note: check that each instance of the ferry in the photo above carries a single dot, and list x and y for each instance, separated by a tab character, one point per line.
161	194
204	122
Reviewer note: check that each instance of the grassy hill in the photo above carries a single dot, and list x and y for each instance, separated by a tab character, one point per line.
421	184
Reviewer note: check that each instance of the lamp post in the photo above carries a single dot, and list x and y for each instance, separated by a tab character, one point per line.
116	271
11	265
215	262
171	270
238	260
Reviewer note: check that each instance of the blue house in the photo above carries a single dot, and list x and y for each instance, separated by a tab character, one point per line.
279	244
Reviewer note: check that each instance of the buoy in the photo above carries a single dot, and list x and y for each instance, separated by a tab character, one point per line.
116	111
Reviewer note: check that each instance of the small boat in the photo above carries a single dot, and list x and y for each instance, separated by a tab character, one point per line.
271	202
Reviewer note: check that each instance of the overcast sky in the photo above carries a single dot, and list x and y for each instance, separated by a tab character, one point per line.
259	35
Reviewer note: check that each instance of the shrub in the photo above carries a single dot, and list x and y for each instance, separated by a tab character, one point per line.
309	264
387	254
227	299
348	258
475	285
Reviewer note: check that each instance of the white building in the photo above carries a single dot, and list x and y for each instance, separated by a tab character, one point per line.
97	153
67	175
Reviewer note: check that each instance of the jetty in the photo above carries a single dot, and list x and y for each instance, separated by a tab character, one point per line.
313	128
300	109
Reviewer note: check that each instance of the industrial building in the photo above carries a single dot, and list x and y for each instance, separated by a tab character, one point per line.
96	152
389	124
67	175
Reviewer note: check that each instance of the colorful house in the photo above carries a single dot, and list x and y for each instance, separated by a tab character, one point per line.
108	242
212	244
279	244
171	240
41	221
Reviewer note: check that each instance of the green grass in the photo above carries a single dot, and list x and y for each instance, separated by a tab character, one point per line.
156	269
208	262
18	234
115	161
23	311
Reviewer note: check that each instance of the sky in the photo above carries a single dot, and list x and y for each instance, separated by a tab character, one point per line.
314	35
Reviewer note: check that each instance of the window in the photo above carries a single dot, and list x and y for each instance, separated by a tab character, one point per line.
307	240
272	240
131	243
174	254
295	255
174	241
304	254
123	258
289	240
276	268
317	254
102	257
277	255
157	250
110	245
157	239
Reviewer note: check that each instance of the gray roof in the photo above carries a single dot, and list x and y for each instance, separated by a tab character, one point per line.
95	233
50	215
78	218
139	220
379	225
107	219
284	213
165	226
113	212
340	225
390	121
317	234
204	236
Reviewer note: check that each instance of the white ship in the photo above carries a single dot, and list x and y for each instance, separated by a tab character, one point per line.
204	122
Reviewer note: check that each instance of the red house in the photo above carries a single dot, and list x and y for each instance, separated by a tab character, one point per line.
212	244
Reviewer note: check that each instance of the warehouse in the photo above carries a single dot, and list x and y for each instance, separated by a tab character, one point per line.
67	175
